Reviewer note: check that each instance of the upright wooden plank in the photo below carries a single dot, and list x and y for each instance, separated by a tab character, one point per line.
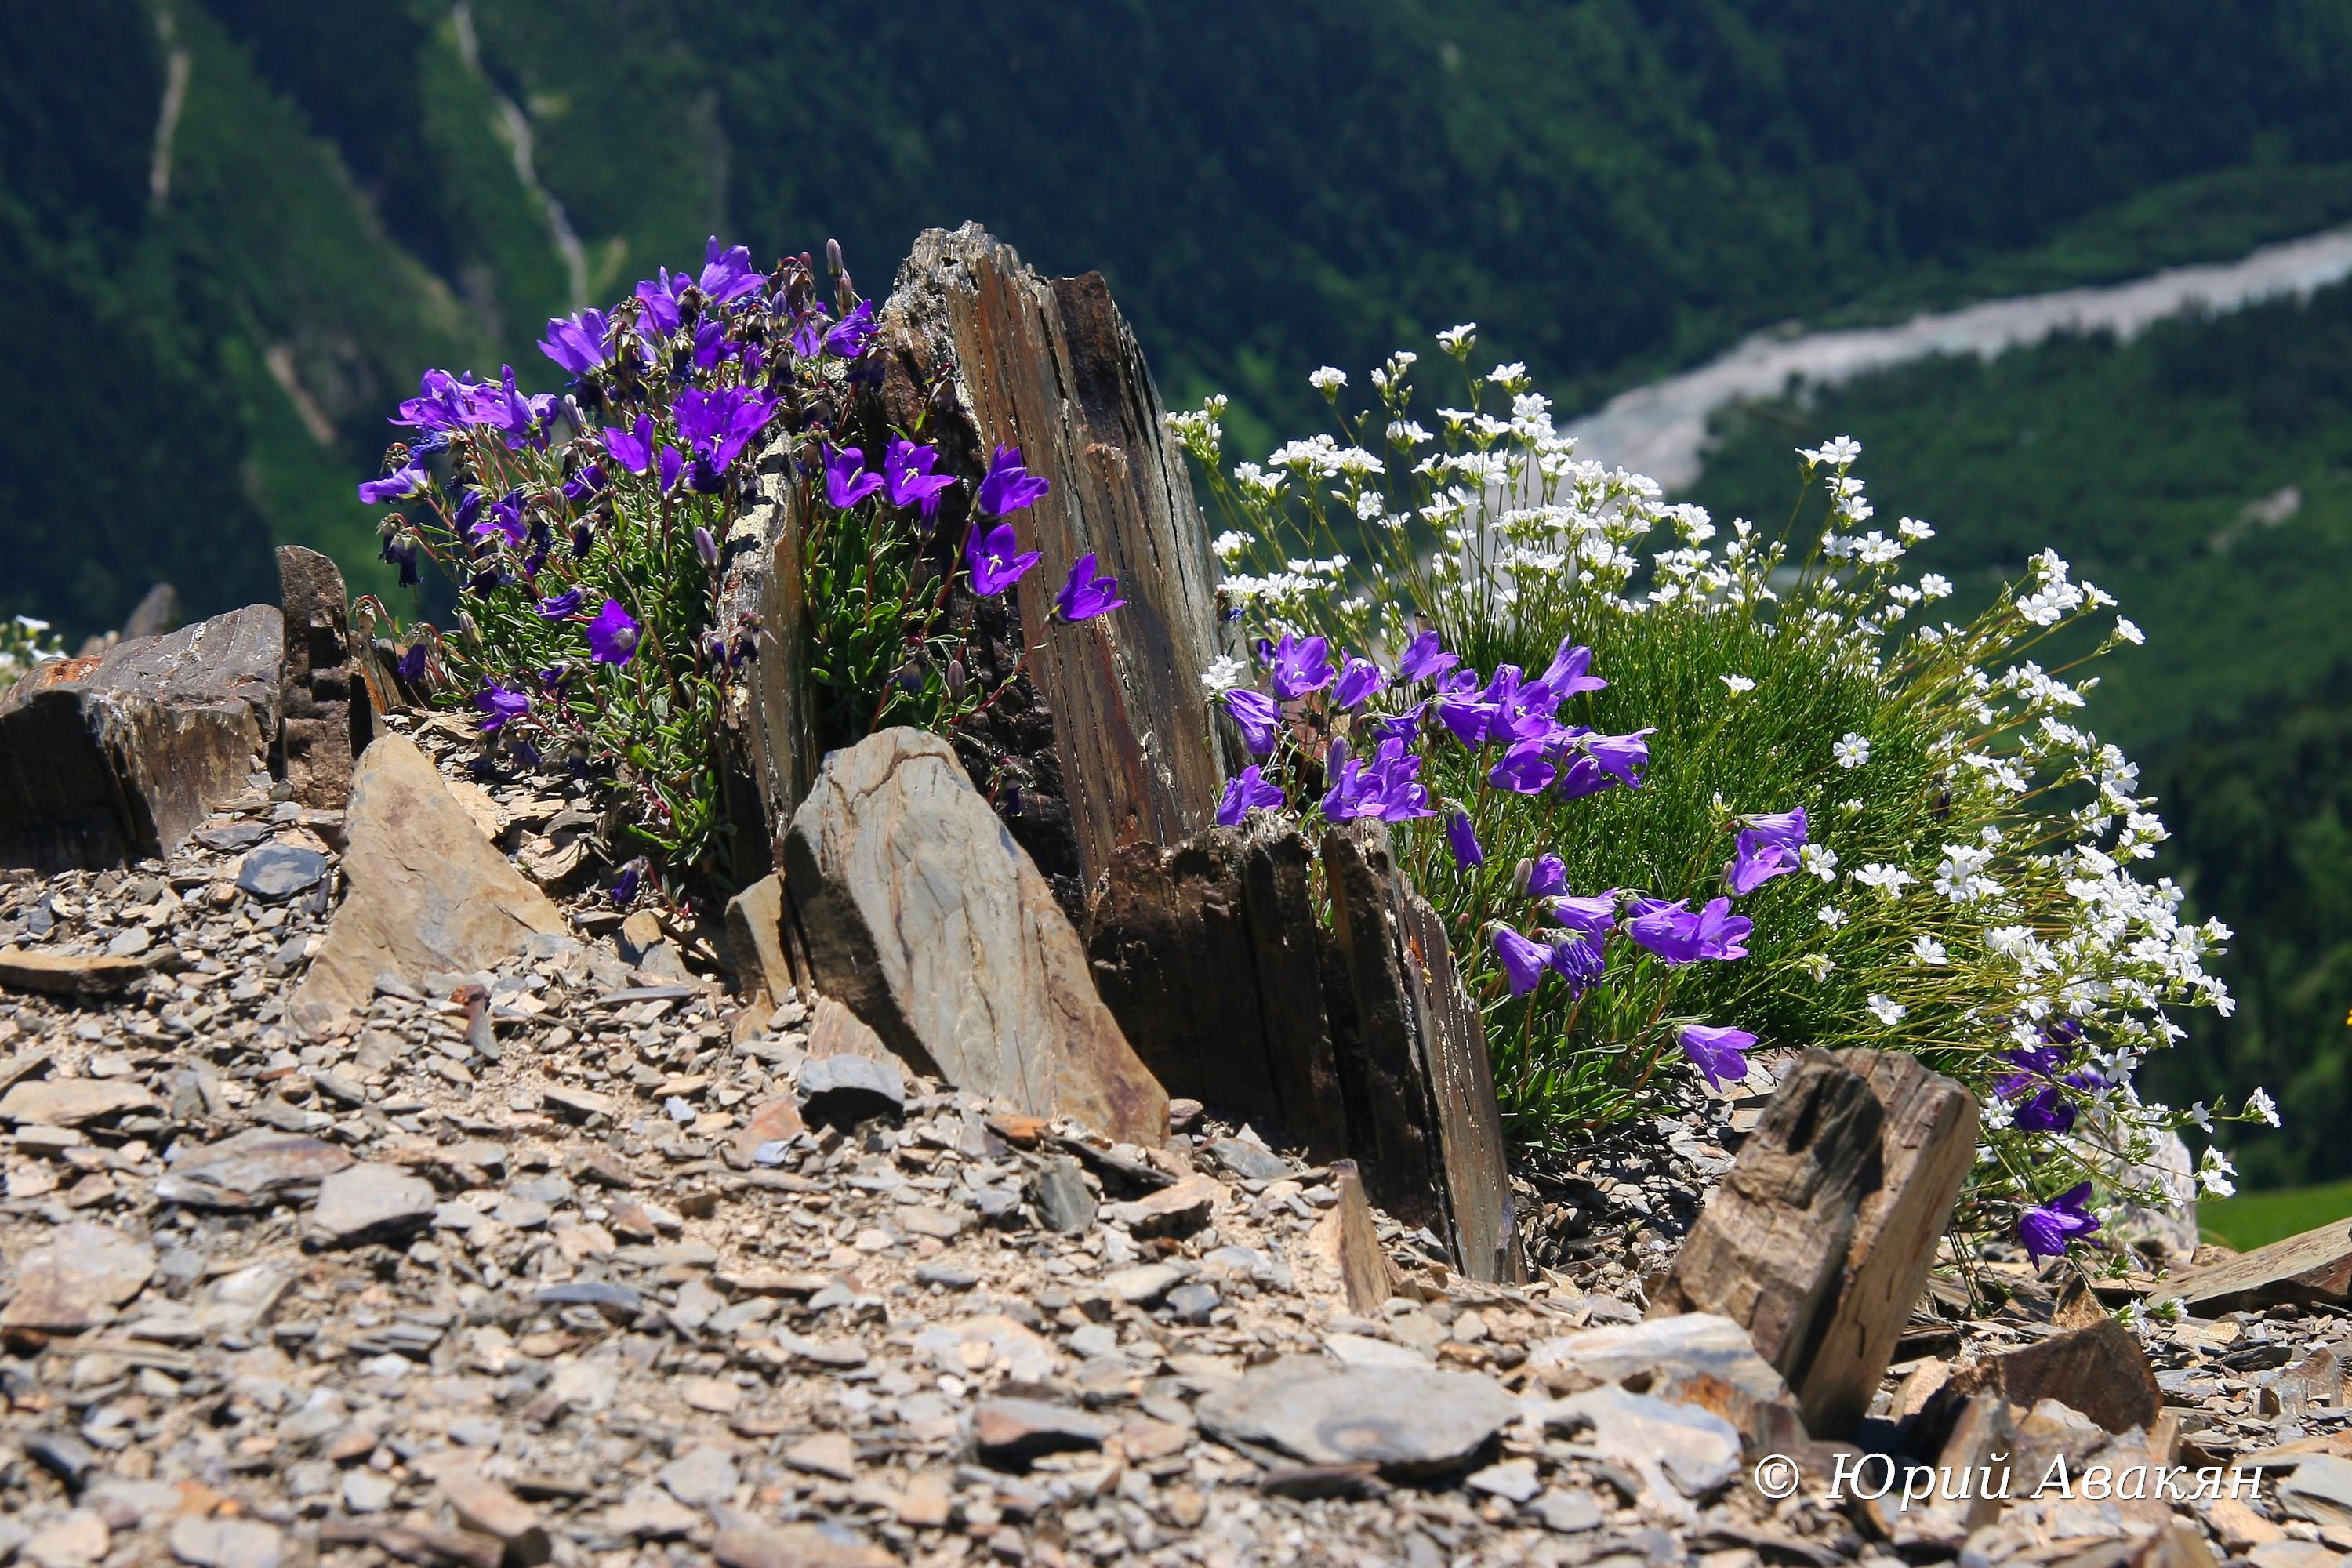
1770	1247
1050	366
1461	1085
1927	1142
772	751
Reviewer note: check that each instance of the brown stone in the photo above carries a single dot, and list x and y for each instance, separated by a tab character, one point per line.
1926	1142
2314	1268
118	757
251	1169
1346	1240
923	916
833	1030
427	893
1771	1245
73	1101
2100	1372
73	974
77	1279
1102	744
745	1543
327	721
755	940
488	1509
1011	1433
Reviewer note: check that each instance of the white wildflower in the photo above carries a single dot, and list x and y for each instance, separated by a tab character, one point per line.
1328	380
1885	878
1738	683
1820	859
1831	916
1851	752
1927	949
1889	1011
2260	1104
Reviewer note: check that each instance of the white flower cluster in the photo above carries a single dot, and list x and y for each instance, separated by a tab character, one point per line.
24	643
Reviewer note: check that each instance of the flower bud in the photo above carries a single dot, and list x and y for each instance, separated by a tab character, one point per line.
845	293
467	630
833	256
957	679
705	547
1523	876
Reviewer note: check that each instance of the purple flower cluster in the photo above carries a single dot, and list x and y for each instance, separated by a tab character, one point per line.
1535	751
565	519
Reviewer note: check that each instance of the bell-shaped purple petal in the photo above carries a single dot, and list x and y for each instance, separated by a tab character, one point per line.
1721	1054
1360	680
1462	838
1009	487
612	634
908	478
2046	1229
1523	960
1087	594
1591	915
398	485
1299	668
727	276
1257	716
1524	769
577	341
848	480
1547	878
1424	657
564	605
850	335
997	559
500	706
1247	792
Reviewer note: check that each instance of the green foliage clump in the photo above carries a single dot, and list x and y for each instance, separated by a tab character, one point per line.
1963	882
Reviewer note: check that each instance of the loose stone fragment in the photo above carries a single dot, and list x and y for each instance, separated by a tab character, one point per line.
251	1169
922	915
743	1543
73	1101
427	893
227	1543
70	974
843	1090
1681	1452
1012	1432
276	872
78	1279
2100	1371
371	1203
2311	1269
1409	1422
1065	1205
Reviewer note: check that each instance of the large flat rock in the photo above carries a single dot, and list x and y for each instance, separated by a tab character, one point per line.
119	757
427	892
1409	1421
921	913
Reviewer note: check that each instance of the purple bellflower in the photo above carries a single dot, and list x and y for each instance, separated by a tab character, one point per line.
2046	1228
500	705
1547	878
1523	960
997	559
1424	657
848	480
850	335
1462	838
564	605
398	485
577	341
1524	769
1571	673
1009	487
1360	680
1298	667
1767	847
1578	961
1678	936
2047	1111
612	634
1245	792
412	663
1589	916
1721	1054
716	425
907	479
1257	716
727	275
1086	594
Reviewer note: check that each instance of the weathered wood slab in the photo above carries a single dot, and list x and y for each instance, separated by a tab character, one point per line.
772	752
920	914
1770	1247
1112	731
1347	1238
118	757
1927	1142
2314	1268
1412	1062
1209	952
327	721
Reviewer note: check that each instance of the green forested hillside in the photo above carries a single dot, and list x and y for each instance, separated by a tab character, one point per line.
2203	474
1611	188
